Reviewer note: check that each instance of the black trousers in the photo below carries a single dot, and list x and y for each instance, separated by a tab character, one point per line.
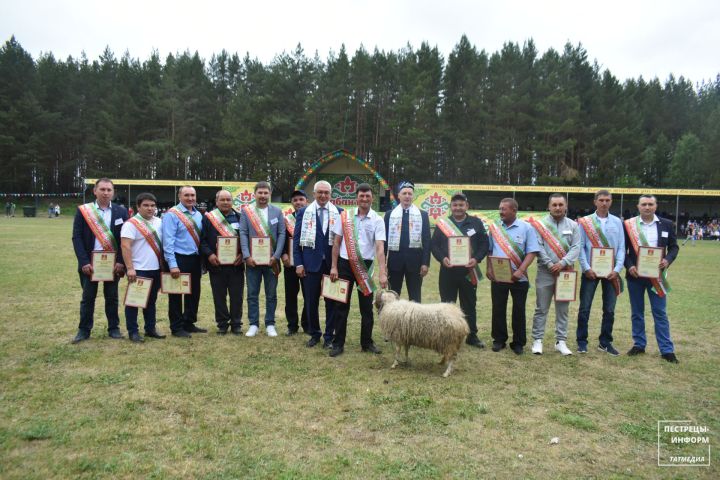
227	280
184	317
499	293
87	304
293	286
312	283
341	311
412	279
453	283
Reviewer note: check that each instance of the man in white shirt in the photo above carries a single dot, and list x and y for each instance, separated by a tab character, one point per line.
141	243
354	263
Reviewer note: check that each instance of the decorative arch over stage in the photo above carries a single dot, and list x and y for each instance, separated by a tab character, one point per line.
343	187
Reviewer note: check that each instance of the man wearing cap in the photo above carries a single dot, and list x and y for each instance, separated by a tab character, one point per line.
461	280
293	285
225	280
312	254
407	229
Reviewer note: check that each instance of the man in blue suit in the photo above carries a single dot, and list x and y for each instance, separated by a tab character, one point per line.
647	230
312	255
97	226
407	229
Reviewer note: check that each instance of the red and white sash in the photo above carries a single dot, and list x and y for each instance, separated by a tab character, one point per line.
151	237
189	223
363	276
220	223
99	228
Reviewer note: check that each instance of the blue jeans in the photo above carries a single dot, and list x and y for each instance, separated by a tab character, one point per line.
637	288
149	313
587	293
254	276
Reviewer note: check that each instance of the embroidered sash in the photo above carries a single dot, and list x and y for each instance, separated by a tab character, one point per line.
98	227
511	249
550	236
150	235
592	228
449	229
189	223
637	237
290	224
363	276
395	227
220	223
307	234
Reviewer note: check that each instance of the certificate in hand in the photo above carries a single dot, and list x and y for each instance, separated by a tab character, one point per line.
459	251
648	262
180	285
103	264
227	250
500	268
260	250
602	261
565	286
138	292
337	290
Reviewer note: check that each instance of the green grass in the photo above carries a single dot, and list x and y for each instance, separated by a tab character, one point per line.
232	407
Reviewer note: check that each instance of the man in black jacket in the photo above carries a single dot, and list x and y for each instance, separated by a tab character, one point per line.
224	279
647	230
463	279
407	229
97	227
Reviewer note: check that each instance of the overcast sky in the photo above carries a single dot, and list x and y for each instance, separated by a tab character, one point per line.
630	38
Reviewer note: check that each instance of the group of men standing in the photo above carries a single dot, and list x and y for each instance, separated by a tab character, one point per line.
319	242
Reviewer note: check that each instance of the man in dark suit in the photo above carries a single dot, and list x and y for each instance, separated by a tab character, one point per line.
293	283
407	229
312	255
97	226
225	280
648	230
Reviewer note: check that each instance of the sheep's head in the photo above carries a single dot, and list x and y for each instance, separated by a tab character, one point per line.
383	297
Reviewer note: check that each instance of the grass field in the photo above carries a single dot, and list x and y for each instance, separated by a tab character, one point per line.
237	407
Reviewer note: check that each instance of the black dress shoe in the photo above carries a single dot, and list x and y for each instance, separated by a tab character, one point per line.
670	357
135	337
236	329
192	328
336	351
372	348
115	333
290	333
327	345
497	346
222	331
181	334
312	342
154	334
517	350
475	342
80	337
635	350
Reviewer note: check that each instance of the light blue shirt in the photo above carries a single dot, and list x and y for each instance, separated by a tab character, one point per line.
523	235
613	230
176	238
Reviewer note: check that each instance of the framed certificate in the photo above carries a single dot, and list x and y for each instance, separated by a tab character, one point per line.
459	251
138	292
180	285
103	264
337	290
566	286
227	250
602	261
500	268
261	250
648	262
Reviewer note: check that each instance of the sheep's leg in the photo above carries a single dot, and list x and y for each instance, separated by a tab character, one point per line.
407	347
448	370
443	360
397	356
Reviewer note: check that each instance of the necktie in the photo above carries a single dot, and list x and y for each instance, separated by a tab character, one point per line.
405	230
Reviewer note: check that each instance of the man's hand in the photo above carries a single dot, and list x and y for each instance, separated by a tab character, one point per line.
131	274
119	270
556	268
633	272
273	262
664	264
238	260
87	269
423	270
250	262
175	272
300	271
612	275
214	260
591	275
446	262
285	259
471	263
490	274
333	274
518	275
383	280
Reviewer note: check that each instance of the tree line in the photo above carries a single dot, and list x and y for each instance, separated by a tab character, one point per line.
512	117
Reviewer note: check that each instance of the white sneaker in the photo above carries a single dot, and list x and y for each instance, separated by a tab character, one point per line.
270	330
561	347
252	331
537	347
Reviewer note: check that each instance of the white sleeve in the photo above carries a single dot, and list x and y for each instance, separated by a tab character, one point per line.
128	231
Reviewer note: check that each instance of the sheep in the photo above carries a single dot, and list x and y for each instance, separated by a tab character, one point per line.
439	326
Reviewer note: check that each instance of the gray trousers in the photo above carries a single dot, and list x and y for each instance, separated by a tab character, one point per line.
544	295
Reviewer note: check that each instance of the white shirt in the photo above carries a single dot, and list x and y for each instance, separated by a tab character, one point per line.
650	231
144	257
107	217
263	213
370	229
